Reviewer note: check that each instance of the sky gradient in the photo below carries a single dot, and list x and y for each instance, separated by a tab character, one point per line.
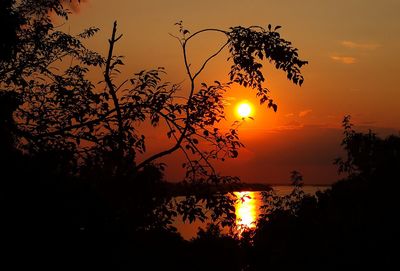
353	51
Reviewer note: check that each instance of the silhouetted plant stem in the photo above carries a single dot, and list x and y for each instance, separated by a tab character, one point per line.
112	90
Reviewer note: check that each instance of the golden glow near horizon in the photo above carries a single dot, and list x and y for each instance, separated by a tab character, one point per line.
246	210
244	109
343	42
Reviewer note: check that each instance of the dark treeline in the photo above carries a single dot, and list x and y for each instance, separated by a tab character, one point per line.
74	198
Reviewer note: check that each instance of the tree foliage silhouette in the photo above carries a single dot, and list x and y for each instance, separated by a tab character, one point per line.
350	224
95	125
73	183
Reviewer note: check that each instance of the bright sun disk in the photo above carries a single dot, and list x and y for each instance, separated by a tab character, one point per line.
244	109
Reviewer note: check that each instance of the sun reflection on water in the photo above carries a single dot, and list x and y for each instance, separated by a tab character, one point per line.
246	210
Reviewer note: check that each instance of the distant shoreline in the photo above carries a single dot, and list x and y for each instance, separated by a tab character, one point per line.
181	189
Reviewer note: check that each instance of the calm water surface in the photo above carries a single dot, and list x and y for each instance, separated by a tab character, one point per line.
247	209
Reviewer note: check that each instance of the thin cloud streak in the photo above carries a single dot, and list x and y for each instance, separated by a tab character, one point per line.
344	59
355	45
304	113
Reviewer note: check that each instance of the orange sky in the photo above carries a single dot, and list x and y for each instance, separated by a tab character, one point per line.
353	51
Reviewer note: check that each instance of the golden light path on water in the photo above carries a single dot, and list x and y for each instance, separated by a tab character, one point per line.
246	209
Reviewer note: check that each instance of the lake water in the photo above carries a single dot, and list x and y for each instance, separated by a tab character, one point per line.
247	210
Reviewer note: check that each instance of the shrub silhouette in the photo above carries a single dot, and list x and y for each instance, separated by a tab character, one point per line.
352	224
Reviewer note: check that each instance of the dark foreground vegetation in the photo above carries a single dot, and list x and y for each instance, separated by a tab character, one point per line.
53	221
73	196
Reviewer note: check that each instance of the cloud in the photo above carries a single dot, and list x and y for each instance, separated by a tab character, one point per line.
304	113
292	125
289	115
363	46
344	59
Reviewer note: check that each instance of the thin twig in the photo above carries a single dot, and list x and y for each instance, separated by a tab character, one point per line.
208	59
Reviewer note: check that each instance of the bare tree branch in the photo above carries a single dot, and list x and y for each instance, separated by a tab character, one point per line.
208	59
111	88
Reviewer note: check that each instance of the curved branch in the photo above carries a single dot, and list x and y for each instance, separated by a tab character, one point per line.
206	30
76	126
160	154
208	59
187	65
182	149
121	85
168	151
189	101
184	43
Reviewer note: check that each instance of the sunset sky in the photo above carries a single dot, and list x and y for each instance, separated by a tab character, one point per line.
353	49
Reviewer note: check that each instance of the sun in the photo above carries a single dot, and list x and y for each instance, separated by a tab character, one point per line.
244	109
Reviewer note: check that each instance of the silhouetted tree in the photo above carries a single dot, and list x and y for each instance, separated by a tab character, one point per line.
61	110
352	224
70	146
